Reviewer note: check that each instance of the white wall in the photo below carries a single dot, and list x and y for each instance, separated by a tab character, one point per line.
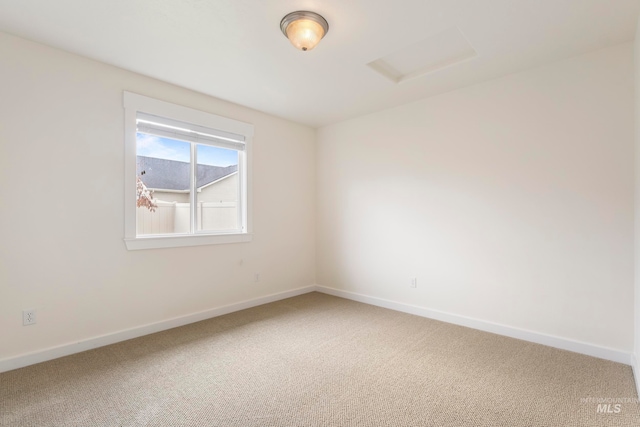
637	210
511	201
62	252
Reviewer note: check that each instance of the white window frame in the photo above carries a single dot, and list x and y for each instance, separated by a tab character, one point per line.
134	103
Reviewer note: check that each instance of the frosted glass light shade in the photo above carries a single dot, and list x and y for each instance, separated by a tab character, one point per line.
304	29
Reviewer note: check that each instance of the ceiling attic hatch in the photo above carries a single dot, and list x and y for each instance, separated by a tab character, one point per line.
436	52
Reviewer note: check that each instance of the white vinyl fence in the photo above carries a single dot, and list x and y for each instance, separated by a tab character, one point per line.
173	217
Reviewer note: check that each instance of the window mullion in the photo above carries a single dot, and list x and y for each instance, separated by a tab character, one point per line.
193	193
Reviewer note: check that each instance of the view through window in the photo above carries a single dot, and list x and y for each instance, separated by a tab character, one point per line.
172	175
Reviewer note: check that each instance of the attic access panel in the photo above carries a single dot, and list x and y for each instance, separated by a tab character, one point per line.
436	52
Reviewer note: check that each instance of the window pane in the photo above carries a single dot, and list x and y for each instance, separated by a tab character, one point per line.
163	168
217	187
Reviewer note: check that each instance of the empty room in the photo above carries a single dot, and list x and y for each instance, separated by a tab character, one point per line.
320	213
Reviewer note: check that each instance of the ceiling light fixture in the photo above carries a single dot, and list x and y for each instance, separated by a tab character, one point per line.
304	29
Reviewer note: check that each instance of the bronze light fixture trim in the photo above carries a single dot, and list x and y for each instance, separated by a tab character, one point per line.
304	29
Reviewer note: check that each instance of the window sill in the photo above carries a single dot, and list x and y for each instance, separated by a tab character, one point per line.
160	242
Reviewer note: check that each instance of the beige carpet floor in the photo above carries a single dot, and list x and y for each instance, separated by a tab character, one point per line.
317	360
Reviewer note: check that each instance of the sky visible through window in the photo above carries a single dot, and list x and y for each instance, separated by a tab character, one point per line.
171	149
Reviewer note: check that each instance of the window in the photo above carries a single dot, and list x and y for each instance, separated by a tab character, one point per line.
186	175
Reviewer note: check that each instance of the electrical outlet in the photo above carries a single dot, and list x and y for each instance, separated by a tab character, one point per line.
28	317
256	277
414	282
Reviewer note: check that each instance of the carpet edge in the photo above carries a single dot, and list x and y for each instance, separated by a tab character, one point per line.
31	358
575	346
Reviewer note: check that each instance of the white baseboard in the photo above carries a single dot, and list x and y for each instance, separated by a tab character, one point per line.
496	328
636	372
549	340
27	359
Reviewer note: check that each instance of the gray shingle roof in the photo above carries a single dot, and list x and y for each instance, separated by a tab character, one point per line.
174	175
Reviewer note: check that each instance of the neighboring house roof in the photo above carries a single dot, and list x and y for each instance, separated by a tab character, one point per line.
173	175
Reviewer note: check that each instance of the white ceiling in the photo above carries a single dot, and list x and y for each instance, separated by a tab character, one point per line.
234	50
